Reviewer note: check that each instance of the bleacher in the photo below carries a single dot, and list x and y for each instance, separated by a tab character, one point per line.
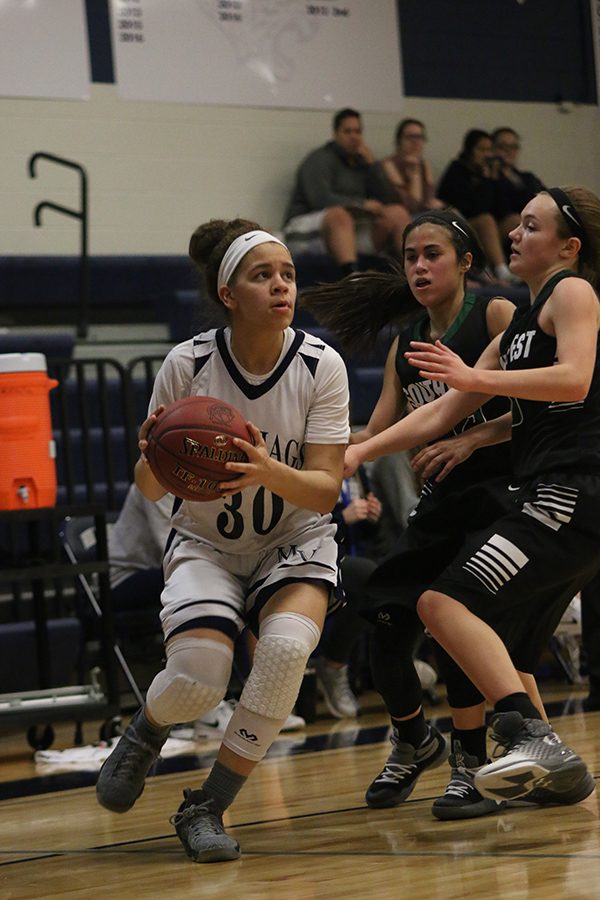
100	401
46	289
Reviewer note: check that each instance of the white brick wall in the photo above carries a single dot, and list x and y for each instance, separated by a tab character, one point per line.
157	170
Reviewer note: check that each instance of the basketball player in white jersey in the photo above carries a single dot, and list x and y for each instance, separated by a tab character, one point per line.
265	554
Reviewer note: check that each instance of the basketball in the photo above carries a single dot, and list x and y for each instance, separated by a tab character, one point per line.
190	443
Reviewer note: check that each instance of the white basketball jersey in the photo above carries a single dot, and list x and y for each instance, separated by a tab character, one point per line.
304	399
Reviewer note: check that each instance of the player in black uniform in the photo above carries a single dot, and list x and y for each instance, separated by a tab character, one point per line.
439	248
511	582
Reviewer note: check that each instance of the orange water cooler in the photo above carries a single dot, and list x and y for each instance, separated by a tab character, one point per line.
27	450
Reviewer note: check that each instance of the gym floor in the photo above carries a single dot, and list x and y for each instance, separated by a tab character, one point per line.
301	820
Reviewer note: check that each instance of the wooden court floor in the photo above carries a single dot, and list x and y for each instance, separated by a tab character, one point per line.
302	824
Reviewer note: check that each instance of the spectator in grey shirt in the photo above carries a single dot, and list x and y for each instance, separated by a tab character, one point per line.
330	209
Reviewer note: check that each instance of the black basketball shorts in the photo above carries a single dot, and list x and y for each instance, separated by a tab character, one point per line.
520	573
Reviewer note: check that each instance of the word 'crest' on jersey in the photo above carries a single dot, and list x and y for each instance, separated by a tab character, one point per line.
518	348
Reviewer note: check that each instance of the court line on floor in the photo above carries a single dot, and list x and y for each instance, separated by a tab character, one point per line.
137	845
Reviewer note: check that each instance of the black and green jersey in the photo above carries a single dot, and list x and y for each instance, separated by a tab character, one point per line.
468	337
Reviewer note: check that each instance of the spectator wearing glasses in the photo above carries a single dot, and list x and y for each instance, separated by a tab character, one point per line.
515	187
406	176
470	184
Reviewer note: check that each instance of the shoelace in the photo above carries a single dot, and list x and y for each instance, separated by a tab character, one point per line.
209	823
130	760
459	785
394	772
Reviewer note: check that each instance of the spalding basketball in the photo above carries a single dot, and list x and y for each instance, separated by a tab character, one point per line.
190	443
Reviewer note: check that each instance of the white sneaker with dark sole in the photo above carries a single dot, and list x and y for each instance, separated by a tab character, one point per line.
534	759
333	686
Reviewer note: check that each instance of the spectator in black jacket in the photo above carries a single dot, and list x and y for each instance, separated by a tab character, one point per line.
357	515
470	184
515	187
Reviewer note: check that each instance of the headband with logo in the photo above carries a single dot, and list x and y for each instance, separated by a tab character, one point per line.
238	249
569	214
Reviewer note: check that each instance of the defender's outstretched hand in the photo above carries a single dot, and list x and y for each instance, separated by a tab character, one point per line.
438	362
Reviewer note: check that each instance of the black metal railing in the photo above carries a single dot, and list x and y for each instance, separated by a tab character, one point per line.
82	215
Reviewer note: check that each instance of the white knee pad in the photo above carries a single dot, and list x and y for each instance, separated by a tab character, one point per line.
193	681
285	643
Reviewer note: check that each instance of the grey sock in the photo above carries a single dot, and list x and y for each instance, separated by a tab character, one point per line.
153	734
223	785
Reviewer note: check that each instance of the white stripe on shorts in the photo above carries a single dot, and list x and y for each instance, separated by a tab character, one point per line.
496	562
554	505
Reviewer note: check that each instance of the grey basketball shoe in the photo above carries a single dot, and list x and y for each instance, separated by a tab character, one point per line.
534	760
200	829
123	774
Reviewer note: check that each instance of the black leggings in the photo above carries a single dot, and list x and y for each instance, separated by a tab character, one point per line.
393	646
590	631
344	627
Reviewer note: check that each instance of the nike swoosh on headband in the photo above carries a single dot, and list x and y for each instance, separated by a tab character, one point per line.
458	228
569	212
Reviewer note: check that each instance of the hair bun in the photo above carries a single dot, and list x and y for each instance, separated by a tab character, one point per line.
209	236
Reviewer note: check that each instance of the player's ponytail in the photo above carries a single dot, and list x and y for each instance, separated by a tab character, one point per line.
356	308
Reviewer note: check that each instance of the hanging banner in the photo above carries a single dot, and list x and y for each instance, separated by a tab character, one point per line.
285	53
44	49
595	17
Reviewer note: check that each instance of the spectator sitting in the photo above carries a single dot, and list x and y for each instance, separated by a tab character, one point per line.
136	544
470	185
357	514
406	177
394	481
515	188
330	208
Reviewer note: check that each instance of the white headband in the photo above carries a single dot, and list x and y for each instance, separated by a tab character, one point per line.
238	249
